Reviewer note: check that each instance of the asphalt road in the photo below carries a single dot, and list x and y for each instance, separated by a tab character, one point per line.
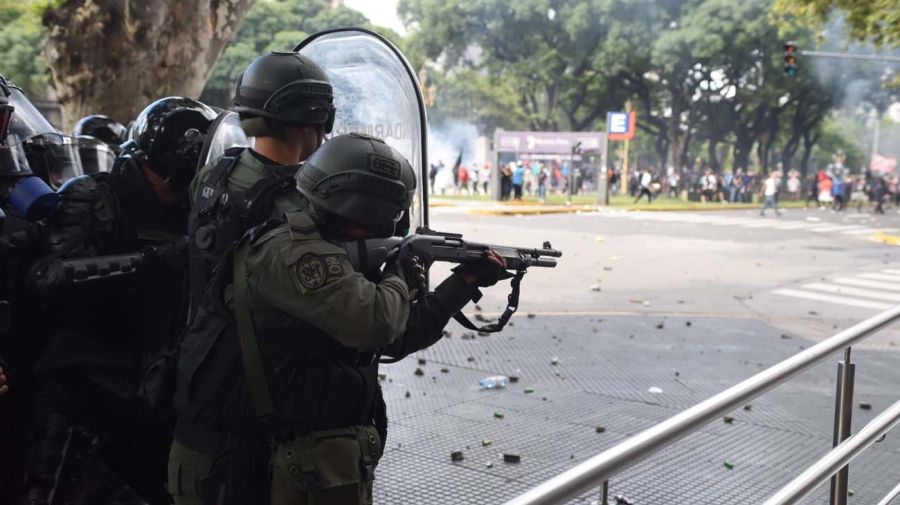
646	315
809	272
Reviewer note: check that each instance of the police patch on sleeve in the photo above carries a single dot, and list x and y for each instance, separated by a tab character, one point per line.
312	271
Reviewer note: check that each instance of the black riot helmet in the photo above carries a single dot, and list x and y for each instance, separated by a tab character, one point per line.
101	128
284	87
168	136
360	179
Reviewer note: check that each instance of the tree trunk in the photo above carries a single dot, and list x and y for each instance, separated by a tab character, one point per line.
809	141
742	150
116	56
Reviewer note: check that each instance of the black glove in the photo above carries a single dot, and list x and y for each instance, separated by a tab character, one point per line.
486	273
411	270
414	272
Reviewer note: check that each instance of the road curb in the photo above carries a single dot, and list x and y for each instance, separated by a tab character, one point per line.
884	238
537	210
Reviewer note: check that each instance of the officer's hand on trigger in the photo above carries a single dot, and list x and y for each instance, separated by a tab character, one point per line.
485	273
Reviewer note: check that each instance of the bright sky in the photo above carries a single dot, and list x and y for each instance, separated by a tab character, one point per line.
379	12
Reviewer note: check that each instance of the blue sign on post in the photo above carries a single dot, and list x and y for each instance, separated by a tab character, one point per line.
620	125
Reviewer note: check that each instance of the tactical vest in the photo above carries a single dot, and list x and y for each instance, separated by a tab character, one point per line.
220	217
314	383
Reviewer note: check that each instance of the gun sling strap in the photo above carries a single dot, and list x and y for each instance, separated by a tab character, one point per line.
253	366
512	305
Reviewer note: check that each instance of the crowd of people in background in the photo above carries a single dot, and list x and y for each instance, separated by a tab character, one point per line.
831	187
518	179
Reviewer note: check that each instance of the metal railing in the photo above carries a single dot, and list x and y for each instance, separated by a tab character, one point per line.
596	471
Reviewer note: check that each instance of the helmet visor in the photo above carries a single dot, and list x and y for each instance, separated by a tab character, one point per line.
95	155
53	157
13	161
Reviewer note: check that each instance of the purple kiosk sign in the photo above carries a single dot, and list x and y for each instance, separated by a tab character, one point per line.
552	144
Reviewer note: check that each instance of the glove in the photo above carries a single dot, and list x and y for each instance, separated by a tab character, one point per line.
411	270
414	272
488	271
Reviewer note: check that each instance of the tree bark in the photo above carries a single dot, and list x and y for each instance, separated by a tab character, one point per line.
114	57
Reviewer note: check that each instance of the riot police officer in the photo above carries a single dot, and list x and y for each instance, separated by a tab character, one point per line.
98	138
98	378
285	103
297	367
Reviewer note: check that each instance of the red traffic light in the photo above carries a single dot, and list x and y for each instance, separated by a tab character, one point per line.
790	48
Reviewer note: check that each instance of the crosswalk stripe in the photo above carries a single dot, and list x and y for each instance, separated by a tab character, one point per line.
892	272
861	231
881	277
846	290
791	225
842	227
853	302
868	284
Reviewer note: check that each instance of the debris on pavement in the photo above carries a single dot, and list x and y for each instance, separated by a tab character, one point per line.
785	336
596	288
489	464
623	500
530	315
419	372
655	390
486	442
479	317
498	415
865	405
456	456
748	407
554	360
728	419
511	458
445	370
422	361
660	325
729	465
408	394
470	359
687	323
514	378
382	377
494	381
528	391
600	429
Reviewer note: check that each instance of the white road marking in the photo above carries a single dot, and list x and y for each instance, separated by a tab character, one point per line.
881	277
847	290
841	300
868	284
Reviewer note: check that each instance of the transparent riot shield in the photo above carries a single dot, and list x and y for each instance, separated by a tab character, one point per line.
224	133
376	92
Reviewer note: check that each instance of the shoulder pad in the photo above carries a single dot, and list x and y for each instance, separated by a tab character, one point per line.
302	226
83	187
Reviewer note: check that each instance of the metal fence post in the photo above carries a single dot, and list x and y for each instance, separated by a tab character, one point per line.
604	493
843	414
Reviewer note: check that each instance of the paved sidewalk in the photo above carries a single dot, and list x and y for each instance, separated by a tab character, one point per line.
603	375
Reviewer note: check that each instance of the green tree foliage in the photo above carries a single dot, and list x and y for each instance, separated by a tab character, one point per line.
273	25
21	41
867	20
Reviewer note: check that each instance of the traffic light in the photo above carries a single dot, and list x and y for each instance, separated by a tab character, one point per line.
790	58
